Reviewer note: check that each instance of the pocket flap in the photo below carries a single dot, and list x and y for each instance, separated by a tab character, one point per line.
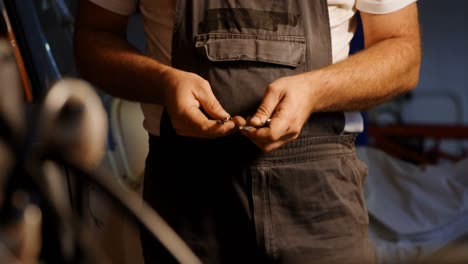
282	50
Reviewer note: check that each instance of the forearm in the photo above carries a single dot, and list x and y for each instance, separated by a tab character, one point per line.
376	74
111	63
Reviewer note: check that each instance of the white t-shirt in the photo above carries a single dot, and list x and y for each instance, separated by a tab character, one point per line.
158	19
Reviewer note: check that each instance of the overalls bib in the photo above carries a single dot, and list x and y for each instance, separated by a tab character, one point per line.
302	203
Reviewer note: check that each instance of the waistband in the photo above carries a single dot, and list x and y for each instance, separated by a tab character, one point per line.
238	149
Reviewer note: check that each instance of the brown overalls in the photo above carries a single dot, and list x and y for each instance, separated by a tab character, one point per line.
302	203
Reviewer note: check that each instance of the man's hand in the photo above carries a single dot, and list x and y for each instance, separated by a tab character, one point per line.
193	109
387	67
105	58
288	101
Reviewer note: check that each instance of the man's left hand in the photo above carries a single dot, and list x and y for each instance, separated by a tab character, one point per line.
288	102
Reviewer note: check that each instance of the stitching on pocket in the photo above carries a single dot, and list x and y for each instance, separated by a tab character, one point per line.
269	232
275	49
202	38
360	181
355	170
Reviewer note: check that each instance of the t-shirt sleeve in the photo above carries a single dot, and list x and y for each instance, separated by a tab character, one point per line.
122	7
382	6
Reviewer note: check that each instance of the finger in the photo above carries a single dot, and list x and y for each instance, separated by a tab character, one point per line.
279	127
211	105
282	121
268	146
206	128
239	121
219	130
266	108
278	131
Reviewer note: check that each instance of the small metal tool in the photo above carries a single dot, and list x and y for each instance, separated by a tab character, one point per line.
222	121
266	123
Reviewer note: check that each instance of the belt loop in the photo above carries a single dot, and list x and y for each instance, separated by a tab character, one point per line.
348	140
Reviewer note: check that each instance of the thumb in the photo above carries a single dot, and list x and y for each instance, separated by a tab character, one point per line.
265	110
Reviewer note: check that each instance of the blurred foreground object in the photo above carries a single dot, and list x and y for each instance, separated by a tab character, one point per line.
10	89
46	168
11	111
20	240
74	122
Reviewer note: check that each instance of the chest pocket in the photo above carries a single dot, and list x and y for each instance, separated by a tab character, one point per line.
282	50
232	34
242	50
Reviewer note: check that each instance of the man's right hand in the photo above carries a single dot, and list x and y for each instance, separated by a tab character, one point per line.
193	109
105	57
